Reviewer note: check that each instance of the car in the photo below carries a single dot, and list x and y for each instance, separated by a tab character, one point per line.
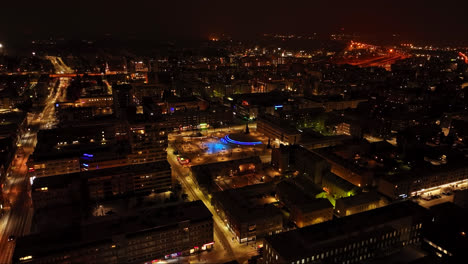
183	160
11	238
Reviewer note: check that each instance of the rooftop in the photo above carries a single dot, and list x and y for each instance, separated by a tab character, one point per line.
304	241
104	231
250	202
59	181
359	199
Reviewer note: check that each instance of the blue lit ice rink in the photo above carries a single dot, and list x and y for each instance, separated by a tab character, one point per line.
215	147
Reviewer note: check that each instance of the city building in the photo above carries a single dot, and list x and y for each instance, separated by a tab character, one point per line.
198	119
305	209
352	239
56	191
148	141
273	128
98	101
359	203
141	90
102	184
7	155
97	146
252	105
444	236
205	174
349	162
144	236
337	186
425	179
460	198
249	212
334	104
135	179
316	142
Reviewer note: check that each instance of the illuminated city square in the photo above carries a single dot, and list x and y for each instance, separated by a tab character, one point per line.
234	132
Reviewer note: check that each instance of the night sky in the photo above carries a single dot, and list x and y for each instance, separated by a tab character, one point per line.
413	19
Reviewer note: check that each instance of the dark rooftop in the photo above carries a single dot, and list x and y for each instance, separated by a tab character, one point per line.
103	231
300	242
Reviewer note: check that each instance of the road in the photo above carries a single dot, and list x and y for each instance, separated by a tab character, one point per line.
17	220
59	66
379	61
226	249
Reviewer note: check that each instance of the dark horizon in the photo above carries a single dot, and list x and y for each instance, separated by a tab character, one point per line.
156	20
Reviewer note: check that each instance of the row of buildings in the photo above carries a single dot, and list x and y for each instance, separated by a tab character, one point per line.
145	236
113	156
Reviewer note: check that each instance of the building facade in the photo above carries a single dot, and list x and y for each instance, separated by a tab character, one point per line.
142	237
275	130
353	239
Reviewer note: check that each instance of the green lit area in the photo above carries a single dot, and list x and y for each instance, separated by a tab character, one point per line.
325	195
217	94
333	197
318	124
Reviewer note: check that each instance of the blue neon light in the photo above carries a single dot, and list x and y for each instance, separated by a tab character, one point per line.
215	147
88	155
278	106
86	165
232	141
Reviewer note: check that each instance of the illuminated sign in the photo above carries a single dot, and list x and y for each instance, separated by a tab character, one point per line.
278	107
88	155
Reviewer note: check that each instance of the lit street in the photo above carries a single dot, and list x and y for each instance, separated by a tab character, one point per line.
225	248
185	132
18	217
